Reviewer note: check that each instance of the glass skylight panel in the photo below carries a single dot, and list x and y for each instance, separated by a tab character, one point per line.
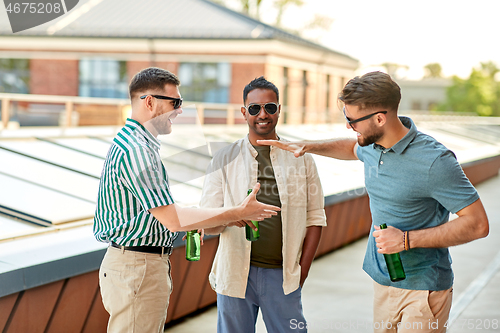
49	175
88	145
42	203
57	155
11	226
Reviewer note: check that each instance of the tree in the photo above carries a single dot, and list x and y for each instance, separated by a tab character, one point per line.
392	68
433	70
480	93
281	5
252	7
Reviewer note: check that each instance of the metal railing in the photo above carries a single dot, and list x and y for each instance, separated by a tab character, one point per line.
207	113
222	113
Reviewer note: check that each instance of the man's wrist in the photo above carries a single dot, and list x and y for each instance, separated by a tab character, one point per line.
235	214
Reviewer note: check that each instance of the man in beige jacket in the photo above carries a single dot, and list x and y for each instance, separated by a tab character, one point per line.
267	273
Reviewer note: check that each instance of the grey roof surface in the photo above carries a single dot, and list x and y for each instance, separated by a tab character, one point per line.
55	240
169	19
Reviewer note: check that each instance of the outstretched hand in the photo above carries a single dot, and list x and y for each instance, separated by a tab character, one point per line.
297	148
253	210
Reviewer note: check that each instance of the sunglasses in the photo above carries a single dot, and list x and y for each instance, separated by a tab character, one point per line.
254	109
353	121
177	101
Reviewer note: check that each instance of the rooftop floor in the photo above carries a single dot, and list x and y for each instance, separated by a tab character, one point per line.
338	293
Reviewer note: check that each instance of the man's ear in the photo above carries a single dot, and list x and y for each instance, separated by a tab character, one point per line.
381	119
243	111
148	102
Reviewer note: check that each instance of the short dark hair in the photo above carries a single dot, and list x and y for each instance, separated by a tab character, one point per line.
151	78
372	90
260	83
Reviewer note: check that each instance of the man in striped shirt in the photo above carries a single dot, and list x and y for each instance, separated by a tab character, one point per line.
136	213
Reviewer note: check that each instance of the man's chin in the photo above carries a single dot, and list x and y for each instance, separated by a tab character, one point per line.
362	142
264	132
365	142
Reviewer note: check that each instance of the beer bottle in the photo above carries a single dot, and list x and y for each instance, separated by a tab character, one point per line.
193	245
251	234
394	264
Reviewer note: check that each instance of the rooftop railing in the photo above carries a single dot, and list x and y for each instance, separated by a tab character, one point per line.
67	111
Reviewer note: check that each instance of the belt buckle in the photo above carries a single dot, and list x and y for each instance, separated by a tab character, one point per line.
166	250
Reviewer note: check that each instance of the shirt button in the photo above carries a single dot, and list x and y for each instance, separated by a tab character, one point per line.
381	162
384	152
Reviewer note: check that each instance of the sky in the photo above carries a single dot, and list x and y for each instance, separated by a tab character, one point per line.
457	34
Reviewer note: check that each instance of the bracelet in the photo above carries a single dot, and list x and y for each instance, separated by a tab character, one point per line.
406	240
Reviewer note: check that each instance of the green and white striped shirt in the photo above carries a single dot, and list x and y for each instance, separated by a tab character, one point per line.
133	181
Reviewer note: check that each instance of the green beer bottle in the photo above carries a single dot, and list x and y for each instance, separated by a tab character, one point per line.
394	264
193	245
251	234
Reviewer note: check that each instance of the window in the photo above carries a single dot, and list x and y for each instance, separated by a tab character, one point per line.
205	82
14	76
103	78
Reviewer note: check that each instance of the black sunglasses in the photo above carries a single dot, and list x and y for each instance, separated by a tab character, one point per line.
350	122
177	101
254	109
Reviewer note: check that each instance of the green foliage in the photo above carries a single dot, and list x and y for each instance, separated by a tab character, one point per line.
252	9
433	70
479	93
14	75
282	5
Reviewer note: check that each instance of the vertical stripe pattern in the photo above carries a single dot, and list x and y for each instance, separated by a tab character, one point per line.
133	181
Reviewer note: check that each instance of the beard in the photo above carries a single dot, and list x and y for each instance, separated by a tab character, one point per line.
368	139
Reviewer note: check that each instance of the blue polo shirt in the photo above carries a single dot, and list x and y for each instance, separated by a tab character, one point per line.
414	185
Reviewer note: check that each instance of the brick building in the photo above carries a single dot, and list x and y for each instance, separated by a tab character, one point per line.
96	48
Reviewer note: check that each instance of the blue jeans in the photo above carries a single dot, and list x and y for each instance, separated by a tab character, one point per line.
281	313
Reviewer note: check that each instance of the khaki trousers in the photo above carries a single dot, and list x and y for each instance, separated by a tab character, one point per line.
402	310
135	290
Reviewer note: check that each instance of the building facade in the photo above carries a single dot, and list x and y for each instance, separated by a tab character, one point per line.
213	50
422	95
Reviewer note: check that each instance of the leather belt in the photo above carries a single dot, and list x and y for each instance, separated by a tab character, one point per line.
145	249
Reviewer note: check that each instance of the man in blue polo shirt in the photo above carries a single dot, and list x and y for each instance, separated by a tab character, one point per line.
413	182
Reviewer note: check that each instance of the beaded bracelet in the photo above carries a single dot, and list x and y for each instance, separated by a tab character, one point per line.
406	240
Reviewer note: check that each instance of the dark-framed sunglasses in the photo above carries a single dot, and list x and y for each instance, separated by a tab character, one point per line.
177	101
353	121
254	109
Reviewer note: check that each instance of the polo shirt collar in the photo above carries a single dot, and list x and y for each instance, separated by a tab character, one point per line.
142	131
402	144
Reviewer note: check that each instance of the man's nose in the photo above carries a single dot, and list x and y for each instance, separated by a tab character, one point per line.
262	112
